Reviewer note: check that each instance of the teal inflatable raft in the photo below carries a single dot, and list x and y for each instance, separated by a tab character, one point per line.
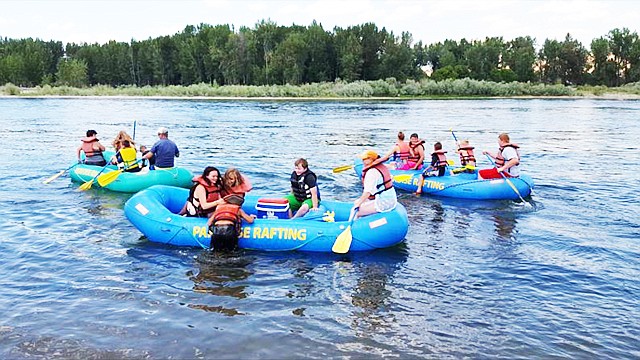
154	212
462	185
133	182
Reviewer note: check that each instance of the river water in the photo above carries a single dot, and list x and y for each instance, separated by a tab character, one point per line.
560	279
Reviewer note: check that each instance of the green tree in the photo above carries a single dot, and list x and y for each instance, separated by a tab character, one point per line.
72	72
483	57
621	43
520	56
349	54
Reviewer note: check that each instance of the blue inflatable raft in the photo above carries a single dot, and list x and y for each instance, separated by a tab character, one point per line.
462	185
129	182
154	212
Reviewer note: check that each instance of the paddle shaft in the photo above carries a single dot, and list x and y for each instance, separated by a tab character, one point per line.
59	173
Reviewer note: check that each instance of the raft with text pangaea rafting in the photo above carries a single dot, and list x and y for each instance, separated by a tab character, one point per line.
154	212
463	185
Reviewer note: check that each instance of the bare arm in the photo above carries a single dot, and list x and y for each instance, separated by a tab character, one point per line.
314	197
246	217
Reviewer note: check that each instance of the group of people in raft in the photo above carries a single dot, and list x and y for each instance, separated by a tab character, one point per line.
220	197
411	155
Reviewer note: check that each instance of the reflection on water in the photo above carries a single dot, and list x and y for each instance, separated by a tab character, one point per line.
505	223
218	273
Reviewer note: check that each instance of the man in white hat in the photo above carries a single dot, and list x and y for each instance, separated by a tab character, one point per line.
164	150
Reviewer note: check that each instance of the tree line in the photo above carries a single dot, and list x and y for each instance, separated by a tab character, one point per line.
269	54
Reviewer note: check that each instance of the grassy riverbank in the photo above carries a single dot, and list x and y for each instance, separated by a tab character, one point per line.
390	88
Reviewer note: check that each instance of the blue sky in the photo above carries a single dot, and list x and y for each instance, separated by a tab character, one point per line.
427	20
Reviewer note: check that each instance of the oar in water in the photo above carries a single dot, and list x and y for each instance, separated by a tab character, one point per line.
343	241
59	174
108	178
342	168
508	182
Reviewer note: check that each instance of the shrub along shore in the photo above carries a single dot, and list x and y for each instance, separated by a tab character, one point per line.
378	89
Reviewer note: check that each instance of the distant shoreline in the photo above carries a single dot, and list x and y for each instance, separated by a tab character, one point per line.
605	96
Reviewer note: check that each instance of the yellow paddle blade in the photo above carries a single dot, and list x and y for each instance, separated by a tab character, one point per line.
403	178
86	186
343	242
108	178
342	168
54	177
450	162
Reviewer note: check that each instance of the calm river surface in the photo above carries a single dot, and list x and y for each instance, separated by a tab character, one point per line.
473	279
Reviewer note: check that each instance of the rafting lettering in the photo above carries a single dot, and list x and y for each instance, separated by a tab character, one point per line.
86	172
430	184
260	233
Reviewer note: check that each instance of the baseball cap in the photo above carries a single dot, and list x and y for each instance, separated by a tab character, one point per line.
162	130
369	154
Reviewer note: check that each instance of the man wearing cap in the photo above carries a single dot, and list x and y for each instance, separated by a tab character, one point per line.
164	150
378	194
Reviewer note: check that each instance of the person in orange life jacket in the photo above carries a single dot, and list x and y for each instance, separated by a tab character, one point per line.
92	150
126	156
466	153
416	154
152	160
204	194
234	183
164	150
304	195
507	160
378	194
437	167
226	222
400	152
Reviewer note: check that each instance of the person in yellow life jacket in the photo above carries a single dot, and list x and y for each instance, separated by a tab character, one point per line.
437	167
118	141
226	222
400	152
92	150
205	193
126	157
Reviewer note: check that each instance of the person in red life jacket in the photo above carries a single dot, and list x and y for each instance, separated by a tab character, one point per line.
416	154
92	150
378	194
507	160
399	151
304	194
204	194
437	167
235	183
126	157
164	150
225	224
466	154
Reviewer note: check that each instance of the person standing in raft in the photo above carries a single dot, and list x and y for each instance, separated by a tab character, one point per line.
507	160
204	194
225	224
400	152
304	194
126	156
378	194
164	150
92	150
437	167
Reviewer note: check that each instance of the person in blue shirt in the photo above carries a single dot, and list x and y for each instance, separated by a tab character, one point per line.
164	150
